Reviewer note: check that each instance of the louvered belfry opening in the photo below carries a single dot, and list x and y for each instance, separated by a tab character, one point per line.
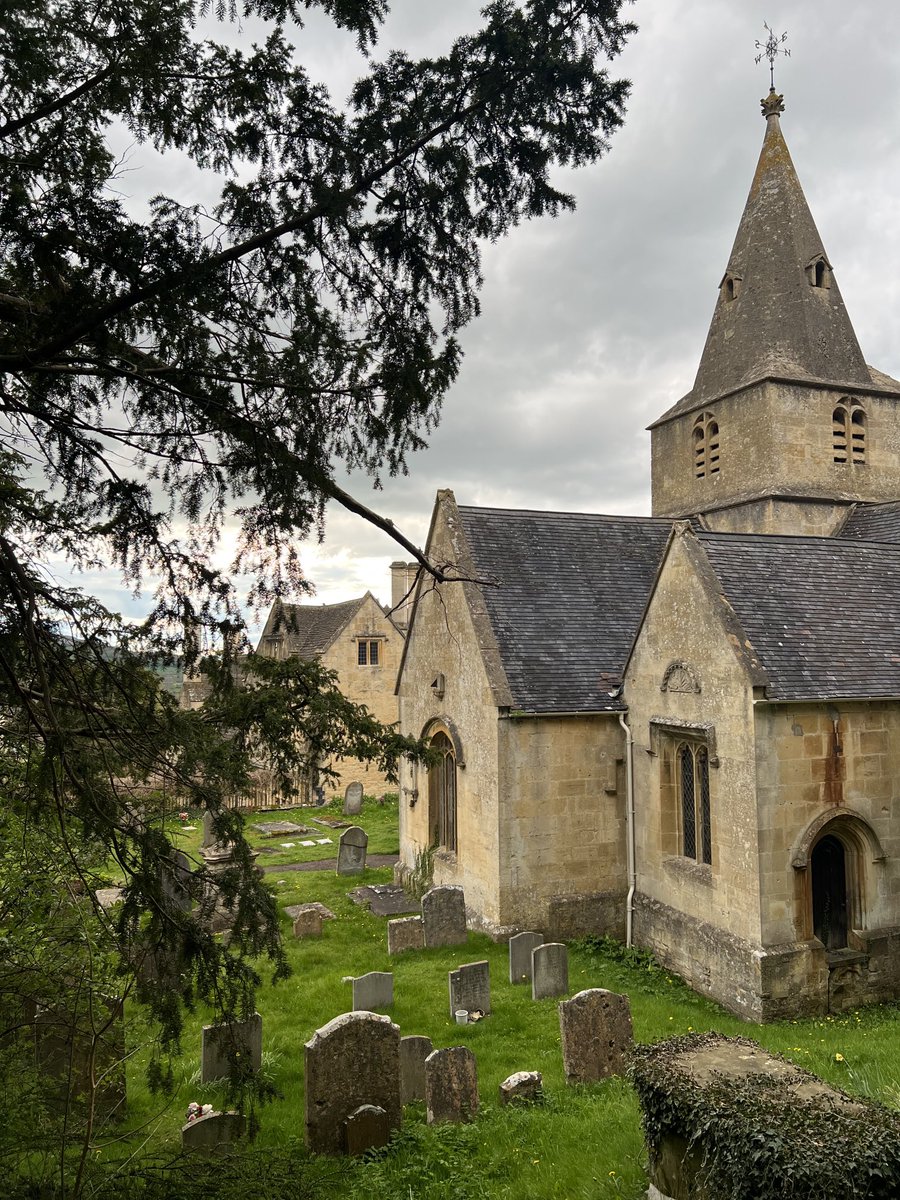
706	446
848	430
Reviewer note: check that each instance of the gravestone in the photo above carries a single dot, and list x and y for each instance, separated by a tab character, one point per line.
444	916
451	1085
175	880
353	798
373	991
406	933
308	924
352	851
520	948
353	1060
523	1086
549	970
596	1035
208	837
237	1042
70	1053
294	910
470	987
213	1134
366	1129
413	1052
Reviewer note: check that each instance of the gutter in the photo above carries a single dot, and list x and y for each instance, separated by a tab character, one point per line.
629	828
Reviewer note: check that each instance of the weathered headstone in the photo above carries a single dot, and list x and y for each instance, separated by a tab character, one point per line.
82	1064
235	1042
294	910
213	1134
413	1052
451	1085
352	851
353	798
406	933
549	970
308	924
367	1128
525	1086
353	1060
596	1035
444	916
208	837
372	991
520	948
175	878
470	987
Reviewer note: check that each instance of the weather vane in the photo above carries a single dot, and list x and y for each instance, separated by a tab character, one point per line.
775	45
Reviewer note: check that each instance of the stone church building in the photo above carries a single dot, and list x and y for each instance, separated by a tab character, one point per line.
684	730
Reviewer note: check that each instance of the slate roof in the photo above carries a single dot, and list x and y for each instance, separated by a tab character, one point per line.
309	629
874	523
823	614
571	593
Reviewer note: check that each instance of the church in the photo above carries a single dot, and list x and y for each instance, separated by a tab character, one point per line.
683	730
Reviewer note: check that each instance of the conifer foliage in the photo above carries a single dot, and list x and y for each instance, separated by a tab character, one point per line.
165	367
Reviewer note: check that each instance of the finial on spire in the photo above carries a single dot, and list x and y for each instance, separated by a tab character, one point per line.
769	49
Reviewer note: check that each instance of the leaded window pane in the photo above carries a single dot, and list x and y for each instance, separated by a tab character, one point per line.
703	784
688	814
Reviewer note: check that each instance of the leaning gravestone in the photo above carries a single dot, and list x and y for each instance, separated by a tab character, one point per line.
549	970
406	933
236	1042
213	1134
351	1061
353	798
596	1035
451	1085
470	987
520	948
444	916
372	991
352	851
308	924
413	1052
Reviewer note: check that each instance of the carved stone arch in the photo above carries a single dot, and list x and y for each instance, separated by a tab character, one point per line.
443	724
848	826
680	677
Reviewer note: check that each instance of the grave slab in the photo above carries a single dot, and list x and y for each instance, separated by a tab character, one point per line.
451	1085
520	948
470	987
277	828
406	933
444	916
351	858
550	970
294	910
384	899
351	1061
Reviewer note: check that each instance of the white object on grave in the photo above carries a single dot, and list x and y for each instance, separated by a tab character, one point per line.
287	845
307	843
323	841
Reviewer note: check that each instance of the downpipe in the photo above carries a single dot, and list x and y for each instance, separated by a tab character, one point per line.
629	828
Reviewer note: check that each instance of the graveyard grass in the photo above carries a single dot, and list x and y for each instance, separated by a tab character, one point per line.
579	1142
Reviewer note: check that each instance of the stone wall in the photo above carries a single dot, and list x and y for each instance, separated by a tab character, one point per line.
775	439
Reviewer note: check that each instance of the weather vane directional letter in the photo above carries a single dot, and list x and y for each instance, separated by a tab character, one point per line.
775	45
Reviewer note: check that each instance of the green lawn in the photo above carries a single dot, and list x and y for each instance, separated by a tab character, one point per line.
582	1142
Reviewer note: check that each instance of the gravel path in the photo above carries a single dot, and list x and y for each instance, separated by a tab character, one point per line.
326	864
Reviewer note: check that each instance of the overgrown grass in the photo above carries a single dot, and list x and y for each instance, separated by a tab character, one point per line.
581	1142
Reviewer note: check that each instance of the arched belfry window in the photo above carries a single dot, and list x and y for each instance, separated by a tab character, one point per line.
705	440
442	793
848	432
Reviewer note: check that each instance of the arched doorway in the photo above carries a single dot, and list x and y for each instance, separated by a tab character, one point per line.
828	863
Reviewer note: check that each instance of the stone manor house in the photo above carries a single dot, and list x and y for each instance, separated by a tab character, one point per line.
692	739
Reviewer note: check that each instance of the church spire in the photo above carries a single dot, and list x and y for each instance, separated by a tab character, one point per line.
779	311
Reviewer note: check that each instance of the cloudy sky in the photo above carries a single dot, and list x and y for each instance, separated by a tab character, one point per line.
592	324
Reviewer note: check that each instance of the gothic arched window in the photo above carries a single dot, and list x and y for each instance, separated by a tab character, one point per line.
848	432
692	778
442	794
705	441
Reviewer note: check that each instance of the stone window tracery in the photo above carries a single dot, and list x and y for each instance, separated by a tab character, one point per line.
705	440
